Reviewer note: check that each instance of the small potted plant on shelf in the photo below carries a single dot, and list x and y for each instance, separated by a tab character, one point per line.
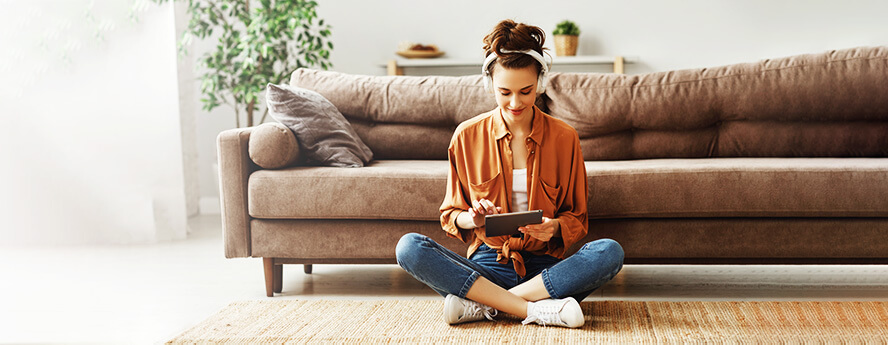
567	35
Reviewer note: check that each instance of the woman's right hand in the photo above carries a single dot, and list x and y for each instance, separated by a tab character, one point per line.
481	208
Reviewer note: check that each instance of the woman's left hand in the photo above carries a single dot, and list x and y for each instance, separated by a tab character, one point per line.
543	231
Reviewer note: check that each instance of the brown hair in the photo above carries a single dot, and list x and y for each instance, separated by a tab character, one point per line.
509	35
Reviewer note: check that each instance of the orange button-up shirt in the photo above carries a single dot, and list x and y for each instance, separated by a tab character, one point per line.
480	157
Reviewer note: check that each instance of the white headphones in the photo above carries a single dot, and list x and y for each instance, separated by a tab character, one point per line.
541	81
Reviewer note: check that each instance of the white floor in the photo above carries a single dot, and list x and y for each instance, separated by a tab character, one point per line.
150	293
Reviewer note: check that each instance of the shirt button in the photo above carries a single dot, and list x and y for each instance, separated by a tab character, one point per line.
528	139
531	151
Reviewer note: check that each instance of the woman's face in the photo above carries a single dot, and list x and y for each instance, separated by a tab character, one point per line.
515	90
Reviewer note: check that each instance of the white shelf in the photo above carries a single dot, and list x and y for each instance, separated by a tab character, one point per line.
467	62
396	66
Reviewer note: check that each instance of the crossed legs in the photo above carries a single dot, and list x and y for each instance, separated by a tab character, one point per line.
448	273
512	301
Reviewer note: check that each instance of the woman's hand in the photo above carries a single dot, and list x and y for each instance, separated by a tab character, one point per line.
544	231
481	208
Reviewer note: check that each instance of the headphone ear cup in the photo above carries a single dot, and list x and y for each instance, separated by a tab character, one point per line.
541	83
488	84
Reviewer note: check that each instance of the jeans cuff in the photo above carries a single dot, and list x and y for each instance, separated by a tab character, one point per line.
468	285
548	284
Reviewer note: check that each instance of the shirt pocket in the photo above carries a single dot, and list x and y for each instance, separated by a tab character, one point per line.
486	189
552	193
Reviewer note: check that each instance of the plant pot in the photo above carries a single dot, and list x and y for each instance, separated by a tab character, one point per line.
566	45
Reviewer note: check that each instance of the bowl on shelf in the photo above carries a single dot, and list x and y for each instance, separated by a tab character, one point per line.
418	51
420	54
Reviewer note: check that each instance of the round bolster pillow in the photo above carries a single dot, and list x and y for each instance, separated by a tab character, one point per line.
273	146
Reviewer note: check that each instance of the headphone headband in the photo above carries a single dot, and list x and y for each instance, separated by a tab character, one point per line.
531	52
544	68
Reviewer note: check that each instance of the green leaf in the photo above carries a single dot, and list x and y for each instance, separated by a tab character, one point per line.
254	47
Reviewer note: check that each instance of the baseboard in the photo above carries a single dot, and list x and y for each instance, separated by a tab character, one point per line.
210	205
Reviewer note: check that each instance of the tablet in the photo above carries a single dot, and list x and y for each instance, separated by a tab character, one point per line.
508	223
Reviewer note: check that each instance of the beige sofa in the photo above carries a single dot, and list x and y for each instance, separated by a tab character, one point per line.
778	161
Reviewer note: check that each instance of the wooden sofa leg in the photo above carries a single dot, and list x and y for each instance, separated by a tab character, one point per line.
306	268
268	264
278	278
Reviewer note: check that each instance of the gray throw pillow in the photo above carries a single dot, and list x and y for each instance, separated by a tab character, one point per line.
323	132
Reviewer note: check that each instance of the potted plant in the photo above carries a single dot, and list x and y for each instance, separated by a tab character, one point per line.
259	42
567	35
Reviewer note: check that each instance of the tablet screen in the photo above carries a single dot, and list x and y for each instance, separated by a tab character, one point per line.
508	223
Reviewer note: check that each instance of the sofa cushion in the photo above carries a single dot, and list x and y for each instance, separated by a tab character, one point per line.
670	188
429	100
402	117
738	187
829	104
325	134
273	146
384	189
399	140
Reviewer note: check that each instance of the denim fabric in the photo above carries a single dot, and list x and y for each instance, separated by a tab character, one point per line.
446	272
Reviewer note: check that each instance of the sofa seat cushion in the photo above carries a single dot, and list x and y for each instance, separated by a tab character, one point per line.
384	189
654	188
738	187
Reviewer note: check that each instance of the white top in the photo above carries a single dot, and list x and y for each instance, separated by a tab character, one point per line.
519	190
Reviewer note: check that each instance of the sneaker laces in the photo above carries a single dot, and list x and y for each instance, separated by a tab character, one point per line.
545	314
475	309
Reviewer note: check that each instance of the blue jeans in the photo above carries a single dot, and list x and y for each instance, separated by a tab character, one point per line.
446	272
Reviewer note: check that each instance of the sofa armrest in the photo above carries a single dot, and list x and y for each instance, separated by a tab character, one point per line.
235	167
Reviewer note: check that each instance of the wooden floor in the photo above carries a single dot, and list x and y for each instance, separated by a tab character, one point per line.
149	293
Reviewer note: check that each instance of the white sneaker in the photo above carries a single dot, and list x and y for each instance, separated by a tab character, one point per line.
459	310
563	312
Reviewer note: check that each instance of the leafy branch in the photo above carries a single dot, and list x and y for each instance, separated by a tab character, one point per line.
258	42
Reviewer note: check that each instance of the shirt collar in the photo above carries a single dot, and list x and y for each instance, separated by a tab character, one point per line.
536	132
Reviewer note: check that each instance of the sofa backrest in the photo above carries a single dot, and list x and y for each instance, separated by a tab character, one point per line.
833	104
401	117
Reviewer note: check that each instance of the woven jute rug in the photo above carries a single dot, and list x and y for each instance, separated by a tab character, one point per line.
324	321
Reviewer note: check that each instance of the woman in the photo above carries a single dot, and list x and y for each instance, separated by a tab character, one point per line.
511	159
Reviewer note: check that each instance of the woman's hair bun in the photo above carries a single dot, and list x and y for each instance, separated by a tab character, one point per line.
510	35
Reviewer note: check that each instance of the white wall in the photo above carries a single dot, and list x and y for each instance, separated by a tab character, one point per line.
189	111
92	146
664	35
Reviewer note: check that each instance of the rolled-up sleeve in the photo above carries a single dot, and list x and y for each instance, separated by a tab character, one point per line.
572	214
454	200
